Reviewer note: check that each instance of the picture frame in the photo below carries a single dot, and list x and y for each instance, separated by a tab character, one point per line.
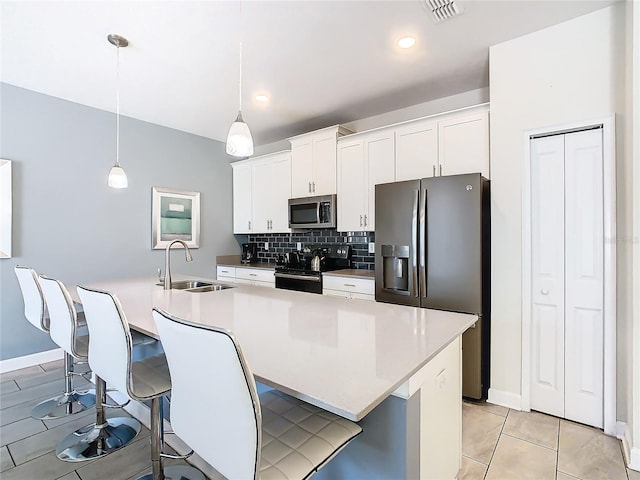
175	216
5	208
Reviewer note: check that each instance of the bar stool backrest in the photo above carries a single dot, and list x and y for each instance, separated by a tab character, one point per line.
215	408
109	338
35	308
63	322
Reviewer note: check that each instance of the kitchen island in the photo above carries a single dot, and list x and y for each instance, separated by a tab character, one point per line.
394	368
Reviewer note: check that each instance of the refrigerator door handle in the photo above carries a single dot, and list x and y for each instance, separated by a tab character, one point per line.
423	243
414	240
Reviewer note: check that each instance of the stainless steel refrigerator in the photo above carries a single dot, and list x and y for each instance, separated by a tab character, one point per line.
433	251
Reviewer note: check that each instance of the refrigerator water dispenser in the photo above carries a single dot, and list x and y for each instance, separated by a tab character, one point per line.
395	268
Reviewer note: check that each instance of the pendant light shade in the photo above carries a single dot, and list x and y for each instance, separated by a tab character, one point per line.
239	139
117	176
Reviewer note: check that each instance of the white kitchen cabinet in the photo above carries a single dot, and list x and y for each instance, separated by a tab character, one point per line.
261	190
348	287
447	144
313	162
271	189
363	162
225	273
416	150
260	277
242	217
463	144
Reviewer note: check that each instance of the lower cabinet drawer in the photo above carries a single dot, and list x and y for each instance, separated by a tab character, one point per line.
226	273
256	275
364	286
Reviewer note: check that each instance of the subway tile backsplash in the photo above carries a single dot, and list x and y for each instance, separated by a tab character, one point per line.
280	243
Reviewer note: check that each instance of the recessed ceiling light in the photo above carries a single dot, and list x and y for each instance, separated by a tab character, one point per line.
262	98
406	42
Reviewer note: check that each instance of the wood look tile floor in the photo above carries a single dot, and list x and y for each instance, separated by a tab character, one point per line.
27	446
497	443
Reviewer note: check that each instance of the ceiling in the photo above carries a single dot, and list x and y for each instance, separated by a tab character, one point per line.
320	62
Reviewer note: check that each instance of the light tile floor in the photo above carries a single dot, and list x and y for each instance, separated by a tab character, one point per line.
498	443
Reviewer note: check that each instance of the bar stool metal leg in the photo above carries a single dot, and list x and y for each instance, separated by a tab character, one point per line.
70	402
158	471
100	438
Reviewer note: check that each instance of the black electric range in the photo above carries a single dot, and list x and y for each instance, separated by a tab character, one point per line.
299	271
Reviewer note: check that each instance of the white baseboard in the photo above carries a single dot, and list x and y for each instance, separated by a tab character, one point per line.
506	399
11	364
621	429
631	454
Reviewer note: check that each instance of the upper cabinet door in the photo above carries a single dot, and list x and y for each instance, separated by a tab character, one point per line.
417	150
380	168
242	204
302	167
464	144
351	190
262	196
324	164
280	194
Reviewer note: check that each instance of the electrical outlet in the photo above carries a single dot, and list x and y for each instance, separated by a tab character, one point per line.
299	246
372	247
266	245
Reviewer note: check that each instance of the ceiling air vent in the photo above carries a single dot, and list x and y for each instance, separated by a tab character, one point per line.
443	9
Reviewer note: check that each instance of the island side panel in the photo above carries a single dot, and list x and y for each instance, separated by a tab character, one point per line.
440	443
419	437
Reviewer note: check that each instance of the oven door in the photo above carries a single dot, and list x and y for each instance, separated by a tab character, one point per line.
300	283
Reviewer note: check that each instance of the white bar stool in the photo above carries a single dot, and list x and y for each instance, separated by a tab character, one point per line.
35	309
110	355
105	435
216	410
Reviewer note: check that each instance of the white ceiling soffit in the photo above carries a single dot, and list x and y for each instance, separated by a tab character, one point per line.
319	62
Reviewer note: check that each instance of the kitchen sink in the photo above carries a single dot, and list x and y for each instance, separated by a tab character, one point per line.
197	286
209	288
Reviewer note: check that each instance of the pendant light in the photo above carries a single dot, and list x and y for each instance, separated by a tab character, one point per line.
239	140
117	176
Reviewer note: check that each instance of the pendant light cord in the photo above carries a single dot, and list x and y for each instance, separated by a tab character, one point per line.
240	69
117	105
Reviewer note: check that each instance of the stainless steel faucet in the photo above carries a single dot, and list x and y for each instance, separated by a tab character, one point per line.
167	261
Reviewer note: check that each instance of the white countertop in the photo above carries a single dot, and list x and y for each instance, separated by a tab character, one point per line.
340	355
351	272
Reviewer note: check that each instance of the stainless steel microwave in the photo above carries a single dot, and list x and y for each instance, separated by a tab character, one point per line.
312	212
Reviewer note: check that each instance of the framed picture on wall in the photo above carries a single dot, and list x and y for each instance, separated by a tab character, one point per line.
175	216
5	208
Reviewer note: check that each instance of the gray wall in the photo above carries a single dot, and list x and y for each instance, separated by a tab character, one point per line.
68	224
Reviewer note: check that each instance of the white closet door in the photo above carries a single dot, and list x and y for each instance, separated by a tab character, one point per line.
584	272
567	247
547	250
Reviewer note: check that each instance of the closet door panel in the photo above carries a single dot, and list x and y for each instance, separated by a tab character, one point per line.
584	270
547	249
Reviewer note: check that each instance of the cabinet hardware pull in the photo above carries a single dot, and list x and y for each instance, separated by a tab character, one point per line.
544	291
365	220
440	169
360	220
309	187
434	170
253	275
249	222
314	186
349	285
